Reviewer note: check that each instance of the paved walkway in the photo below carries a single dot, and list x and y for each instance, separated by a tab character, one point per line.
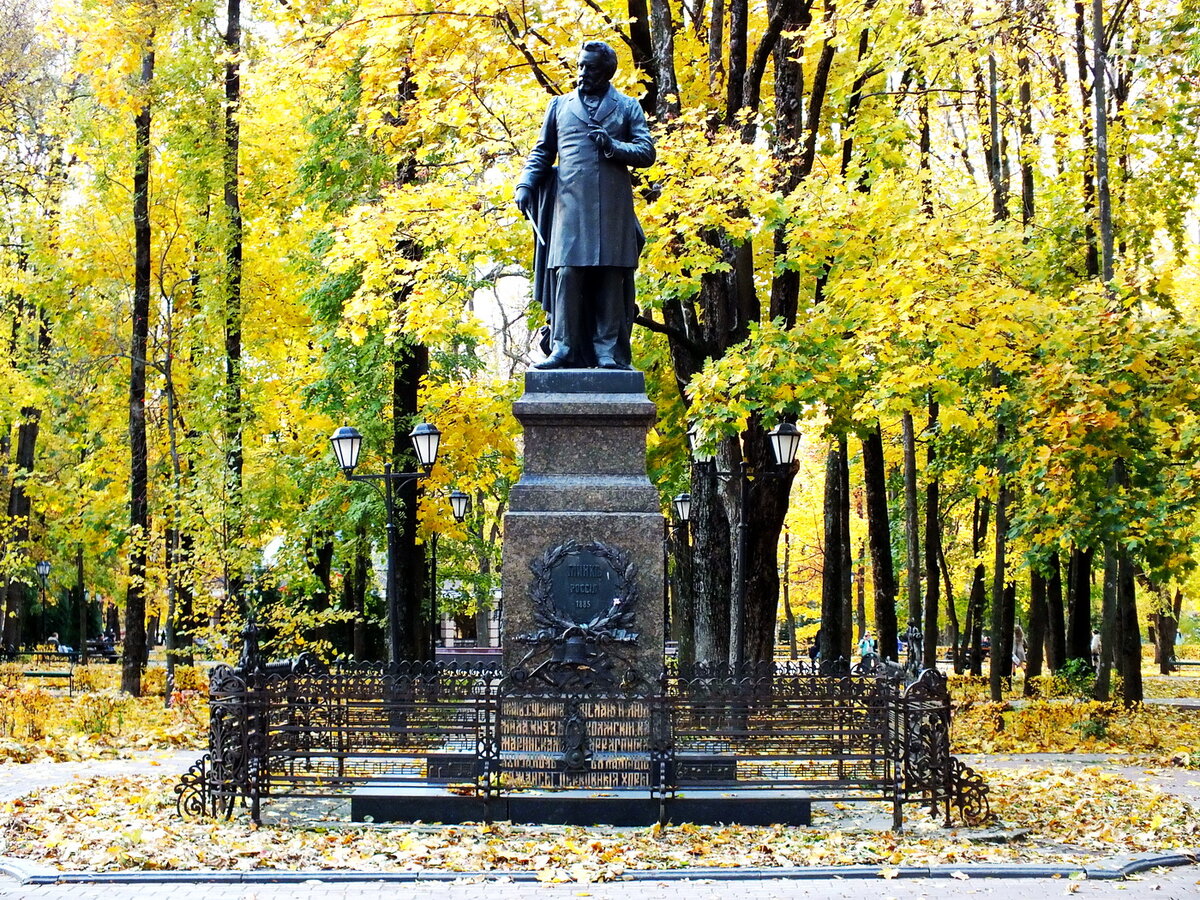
1170	884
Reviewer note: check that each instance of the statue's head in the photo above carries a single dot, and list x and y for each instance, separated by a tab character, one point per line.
597	65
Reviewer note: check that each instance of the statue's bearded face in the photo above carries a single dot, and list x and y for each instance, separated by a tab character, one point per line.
594	73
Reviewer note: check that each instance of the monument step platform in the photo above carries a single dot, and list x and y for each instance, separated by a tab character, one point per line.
619	807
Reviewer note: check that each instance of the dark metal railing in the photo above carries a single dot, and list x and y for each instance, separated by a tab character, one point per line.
837	733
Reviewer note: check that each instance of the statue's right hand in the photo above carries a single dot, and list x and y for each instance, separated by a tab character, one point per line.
525	201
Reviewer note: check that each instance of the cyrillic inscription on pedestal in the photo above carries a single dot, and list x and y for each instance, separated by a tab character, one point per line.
584	586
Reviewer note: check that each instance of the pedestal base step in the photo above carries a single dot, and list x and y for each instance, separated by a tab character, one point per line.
411	803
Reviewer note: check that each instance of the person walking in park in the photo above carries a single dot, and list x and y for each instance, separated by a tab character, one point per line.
866	645
588	238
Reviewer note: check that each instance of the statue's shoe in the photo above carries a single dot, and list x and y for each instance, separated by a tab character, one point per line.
554	361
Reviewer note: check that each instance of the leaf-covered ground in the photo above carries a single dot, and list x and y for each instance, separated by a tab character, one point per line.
1163	734
1055	720
1049	815
37	724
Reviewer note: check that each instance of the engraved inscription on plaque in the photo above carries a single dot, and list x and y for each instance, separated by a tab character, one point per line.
584	586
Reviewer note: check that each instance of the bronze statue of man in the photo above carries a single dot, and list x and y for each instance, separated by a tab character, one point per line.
588	238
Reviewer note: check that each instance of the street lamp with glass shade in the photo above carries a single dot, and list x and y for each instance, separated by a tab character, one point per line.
459	502
425	440
347	443
785	443
683	507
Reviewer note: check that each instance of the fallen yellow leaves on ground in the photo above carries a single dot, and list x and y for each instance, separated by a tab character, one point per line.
1169	735
37	724
1049	815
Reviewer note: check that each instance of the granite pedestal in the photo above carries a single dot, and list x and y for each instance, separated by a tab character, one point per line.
584	481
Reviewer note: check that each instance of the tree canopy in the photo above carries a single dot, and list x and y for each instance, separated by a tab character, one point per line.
861	215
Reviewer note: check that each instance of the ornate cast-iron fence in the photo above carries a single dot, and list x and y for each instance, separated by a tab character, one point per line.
288	730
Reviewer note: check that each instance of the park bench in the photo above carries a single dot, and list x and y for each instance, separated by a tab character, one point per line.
47	658
100	650
67	675
1185	662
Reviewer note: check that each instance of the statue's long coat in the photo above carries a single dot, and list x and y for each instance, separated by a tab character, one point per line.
593	223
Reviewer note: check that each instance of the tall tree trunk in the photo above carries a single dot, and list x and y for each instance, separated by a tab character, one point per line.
1099	93
880	537
718	318
735	493
977	604
1003	601
1129	645
1003	609
1092	257
234	415
832	605
952	627
1126	650
1028	147
1108	621
912	522
996	164
181	610
683	606
135	649
847	567
16	607
739	23
716	41
860	593
410	364
642	46
356	592
1079	603
933	542
715	577
1037	628
320	556
1056	638
666	92
788	615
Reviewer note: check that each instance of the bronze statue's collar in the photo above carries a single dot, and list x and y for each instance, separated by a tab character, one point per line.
608	105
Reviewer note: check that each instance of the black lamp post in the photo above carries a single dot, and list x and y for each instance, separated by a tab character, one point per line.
785	444
347	443
43	571
458	506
